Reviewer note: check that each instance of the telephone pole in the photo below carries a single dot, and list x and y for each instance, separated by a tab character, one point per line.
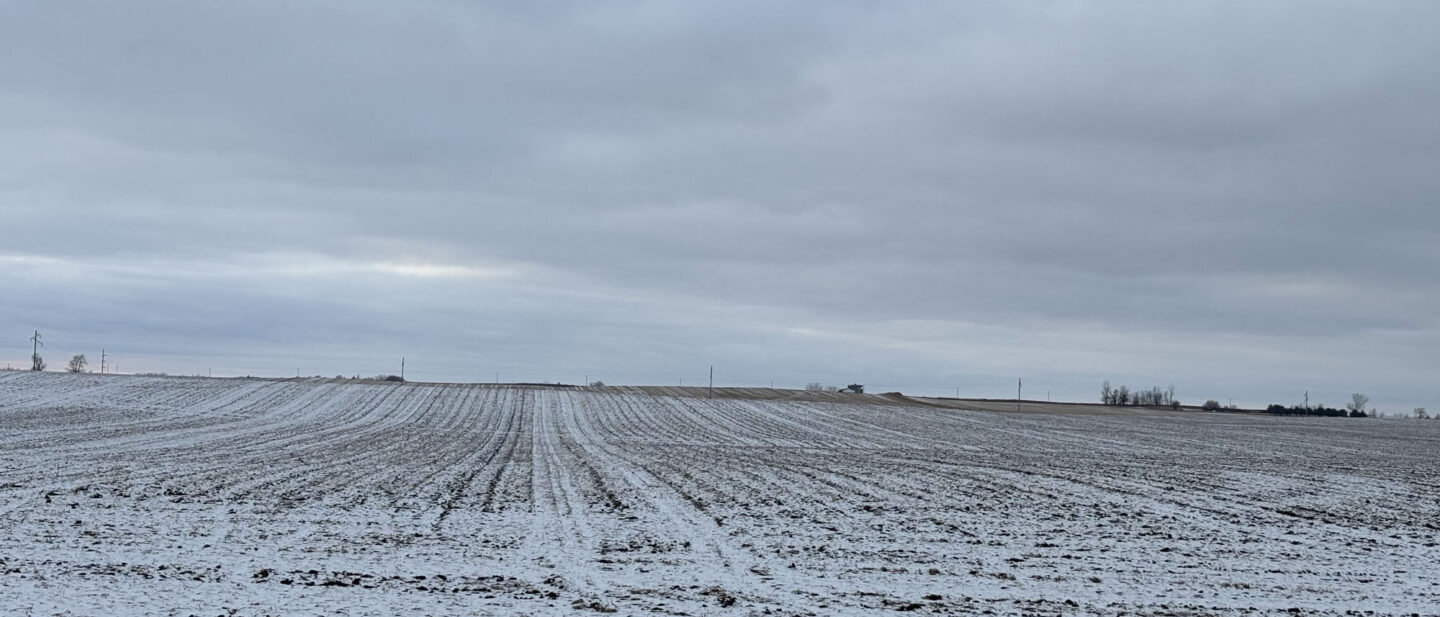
1019	381
102	361
36	344
712	381
402	368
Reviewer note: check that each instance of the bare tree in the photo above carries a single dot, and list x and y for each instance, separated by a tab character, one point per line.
1107	394
1357	402
37	363
77	364
814	386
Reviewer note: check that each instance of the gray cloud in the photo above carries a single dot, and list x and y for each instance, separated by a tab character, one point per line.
1227	195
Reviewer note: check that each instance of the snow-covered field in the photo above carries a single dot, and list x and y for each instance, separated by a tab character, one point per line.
136	495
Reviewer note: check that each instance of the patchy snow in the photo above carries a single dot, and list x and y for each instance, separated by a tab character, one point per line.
175	496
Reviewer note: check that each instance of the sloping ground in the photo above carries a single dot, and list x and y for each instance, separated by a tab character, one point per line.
133	495
1039	407
893	398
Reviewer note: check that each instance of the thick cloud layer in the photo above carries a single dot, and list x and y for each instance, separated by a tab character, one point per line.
1237	198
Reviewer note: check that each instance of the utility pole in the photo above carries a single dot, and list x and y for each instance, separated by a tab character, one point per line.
712	381
1019	381
102	361
1307	399
402	368
35	350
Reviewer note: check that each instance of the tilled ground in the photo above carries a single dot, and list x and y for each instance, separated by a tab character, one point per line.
173	496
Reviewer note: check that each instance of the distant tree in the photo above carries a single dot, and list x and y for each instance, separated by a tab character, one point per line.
831	389
77	364
1420	414
1357	403
37	363
597	384
1211	405
1122	396
1107	394
814	386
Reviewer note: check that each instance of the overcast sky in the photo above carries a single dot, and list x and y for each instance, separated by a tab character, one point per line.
1240	198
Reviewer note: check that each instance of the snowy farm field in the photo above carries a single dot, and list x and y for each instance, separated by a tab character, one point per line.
176	496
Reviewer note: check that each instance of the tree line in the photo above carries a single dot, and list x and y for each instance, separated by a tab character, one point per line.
1156	397
1319	410
1124	396
1354	409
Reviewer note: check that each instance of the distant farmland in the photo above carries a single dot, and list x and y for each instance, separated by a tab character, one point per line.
140	495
